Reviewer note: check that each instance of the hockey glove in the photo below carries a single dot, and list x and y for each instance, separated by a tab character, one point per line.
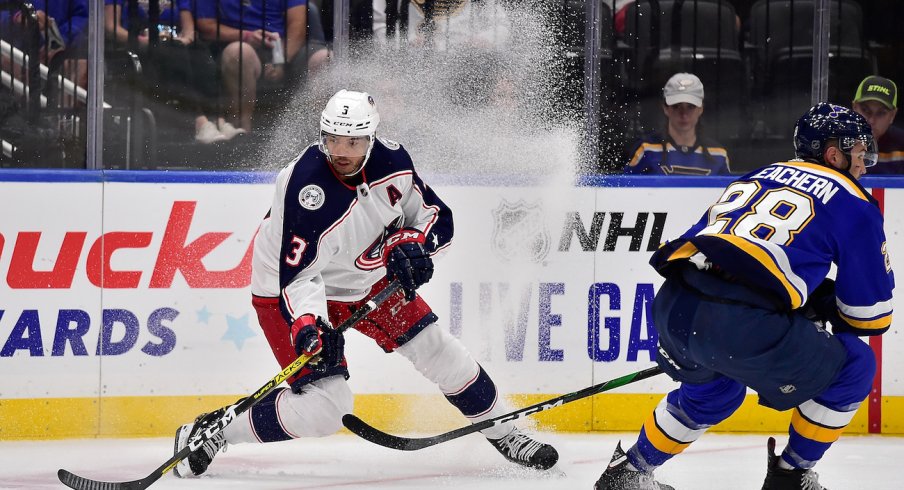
317	338
820	306
407	261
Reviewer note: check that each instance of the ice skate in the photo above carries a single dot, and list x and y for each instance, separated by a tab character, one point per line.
781	479
520	448
197	462
620	475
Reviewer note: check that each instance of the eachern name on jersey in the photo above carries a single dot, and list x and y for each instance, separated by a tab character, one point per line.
821	188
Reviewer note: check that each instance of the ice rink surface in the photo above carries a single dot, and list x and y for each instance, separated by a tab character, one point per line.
345	462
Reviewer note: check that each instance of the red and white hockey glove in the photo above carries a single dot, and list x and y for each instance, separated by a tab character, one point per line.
407	261
306	336
316	338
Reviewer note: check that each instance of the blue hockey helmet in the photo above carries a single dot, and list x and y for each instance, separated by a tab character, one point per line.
826	122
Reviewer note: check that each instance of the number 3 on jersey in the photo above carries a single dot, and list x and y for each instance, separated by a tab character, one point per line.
776	216
293	258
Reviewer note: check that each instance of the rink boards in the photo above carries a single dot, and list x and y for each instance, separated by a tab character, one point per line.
125	310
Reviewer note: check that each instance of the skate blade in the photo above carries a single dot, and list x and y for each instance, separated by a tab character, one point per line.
554	472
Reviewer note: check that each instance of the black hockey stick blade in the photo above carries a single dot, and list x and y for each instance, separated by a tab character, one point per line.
72	480
376	436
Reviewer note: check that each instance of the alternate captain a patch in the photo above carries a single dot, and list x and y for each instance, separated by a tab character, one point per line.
311	197
394	195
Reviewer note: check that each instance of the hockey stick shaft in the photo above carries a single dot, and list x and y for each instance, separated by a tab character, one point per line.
232	412
365	431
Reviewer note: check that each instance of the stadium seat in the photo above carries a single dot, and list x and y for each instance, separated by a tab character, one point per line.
780	47
703	39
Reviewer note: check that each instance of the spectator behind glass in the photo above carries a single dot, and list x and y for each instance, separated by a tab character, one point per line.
179	67
877	101
620	7
442	24
63	25
682	151
244	43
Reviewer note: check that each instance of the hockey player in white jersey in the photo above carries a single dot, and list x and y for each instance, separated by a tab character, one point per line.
349	215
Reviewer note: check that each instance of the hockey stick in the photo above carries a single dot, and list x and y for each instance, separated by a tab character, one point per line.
360	428
232	412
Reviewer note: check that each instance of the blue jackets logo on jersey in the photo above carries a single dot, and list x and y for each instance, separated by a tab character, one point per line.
519	232
372	257
311	197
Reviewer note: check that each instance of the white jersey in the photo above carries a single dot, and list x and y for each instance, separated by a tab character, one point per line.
323	239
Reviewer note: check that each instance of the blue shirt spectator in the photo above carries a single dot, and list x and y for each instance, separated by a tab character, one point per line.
655	155
269	15
169	13
681	151
70	17
259	40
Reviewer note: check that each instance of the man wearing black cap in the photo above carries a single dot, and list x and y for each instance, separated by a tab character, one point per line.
877	101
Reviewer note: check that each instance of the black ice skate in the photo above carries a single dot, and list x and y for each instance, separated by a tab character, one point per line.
520	448
781	479
619	475
197	462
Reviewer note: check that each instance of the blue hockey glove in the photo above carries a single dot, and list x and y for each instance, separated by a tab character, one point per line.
407	261
317	338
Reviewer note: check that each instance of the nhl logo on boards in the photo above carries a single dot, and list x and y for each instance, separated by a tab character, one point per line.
311	197
519	232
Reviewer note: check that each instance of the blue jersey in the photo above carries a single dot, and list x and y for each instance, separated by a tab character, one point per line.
653	155
269	15
782	227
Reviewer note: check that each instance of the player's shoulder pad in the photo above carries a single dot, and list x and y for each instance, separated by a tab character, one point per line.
387	157
391	145
297	158
309	162
314	198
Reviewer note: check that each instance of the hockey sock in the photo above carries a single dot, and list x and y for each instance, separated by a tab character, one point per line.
477	401
443	359
265	421
681	418
819	422
314	412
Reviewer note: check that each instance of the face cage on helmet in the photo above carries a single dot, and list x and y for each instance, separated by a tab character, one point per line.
870	156
370	146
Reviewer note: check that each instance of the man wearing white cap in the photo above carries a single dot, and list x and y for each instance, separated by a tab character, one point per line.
682	151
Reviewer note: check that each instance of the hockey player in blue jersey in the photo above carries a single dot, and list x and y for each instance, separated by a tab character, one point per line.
746	298
349	215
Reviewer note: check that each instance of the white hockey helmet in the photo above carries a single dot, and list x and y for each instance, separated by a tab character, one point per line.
352	114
